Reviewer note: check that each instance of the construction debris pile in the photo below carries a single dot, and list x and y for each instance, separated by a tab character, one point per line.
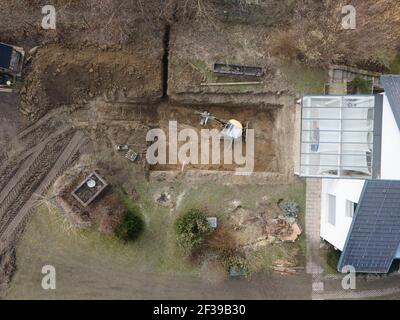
286	227
272	224
285	267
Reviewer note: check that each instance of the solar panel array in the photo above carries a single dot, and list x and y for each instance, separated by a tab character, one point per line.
374	236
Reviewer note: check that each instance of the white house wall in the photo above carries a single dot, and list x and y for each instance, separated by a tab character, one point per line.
390	157
343	189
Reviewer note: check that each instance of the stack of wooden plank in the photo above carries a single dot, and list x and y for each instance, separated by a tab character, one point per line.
285	267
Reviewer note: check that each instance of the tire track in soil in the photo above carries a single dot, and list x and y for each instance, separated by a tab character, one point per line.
20	164
19	161
26	185
54	157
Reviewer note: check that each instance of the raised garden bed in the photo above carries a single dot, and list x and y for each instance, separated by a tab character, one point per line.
89	189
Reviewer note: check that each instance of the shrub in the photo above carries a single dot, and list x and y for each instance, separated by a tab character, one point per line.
361	86
235	262
333	257
191	230
221	239
131	226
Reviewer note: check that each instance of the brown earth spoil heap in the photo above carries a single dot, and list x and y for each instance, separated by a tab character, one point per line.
61	76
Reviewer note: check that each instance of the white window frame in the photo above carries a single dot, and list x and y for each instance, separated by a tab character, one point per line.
349	212
331	209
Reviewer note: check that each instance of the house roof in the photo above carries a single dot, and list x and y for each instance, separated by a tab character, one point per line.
391	84
5	55
374	235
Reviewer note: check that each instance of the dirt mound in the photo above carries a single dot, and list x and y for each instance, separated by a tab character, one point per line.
63	76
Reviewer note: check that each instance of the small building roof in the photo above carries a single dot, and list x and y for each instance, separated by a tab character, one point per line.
374	235
391	84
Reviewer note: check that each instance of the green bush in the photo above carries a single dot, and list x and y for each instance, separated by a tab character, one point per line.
332	258
131	226
235	263
191	230
361	86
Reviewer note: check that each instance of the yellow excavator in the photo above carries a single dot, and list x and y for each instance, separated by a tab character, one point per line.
231	129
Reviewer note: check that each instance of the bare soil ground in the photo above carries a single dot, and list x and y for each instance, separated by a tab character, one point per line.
87	22
195	47
11	122
62	76
274	135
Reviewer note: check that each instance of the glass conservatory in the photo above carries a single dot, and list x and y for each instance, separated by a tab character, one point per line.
337	136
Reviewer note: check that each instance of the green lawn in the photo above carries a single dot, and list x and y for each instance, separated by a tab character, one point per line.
304	79
49	239
395	65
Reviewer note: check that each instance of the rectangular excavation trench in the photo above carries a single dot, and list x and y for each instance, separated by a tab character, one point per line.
269	142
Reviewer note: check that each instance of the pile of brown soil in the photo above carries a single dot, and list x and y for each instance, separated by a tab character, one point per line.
62	76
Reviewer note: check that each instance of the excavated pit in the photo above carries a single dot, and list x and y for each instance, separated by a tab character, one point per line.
273	133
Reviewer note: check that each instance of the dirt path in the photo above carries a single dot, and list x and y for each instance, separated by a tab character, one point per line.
85	277
388	285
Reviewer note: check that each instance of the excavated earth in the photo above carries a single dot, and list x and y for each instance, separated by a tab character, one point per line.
113	82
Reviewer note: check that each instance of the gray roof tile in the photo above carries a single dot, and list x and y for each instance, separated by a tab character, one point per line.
374	235
391	84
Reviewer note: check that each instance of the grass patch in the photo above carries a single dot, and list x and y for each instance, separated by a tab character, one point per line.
332	260
260	260
360	86
201	66
394	66
87	254
305	80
